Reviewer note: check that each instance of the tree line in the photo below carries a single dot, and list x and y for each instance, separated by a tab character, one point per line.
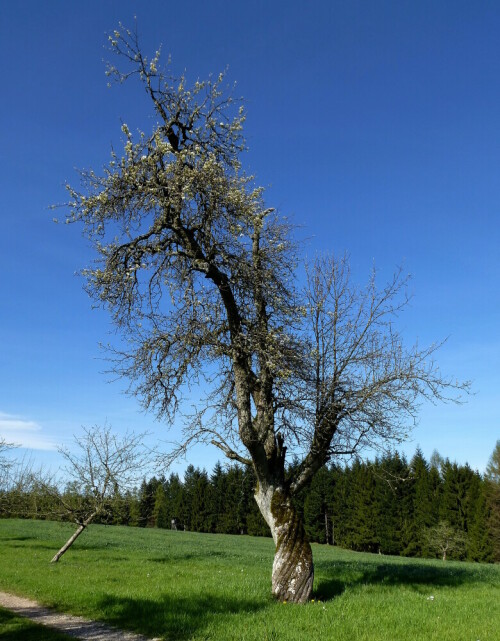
390	506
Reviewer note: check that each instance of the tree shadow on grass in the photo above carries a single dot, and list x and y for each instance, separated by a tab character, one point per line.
335	577
188	556
175	617
15	628
81	546
41	545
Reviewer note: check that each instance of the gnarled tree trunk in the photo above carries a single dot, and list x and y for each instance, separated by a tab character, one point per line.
293	569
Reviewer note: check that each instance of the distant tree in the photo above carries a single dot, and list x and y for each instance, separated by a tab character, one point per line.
234	516
201	503
160	510
493	498
20	491
101	463
174	496
147	493
196	496
364	509
392	495
338	507
198	275
218	503
318	508
455	505
6	465
445	540
437	461
5	461
435	490
421	505
479	540
127	511
449	507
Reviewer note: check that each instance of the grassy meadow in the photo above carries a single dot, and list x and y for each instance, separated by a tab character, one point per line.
187	586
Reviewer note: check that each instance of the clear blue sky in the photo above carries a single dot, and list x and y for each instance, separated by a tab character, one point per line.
376	125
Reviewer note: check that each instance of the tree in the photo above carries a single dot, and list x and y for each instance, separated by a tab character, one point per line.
218	503
445	539
393	503
147	494
421	505
198	276
317	508
6	463
196	500
338	505
493	492
19	486
364	510
479	543
160	514
454	506
102	463
173	490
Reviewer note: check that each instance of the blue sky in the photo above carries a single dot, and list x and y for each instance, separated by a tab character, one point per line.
375	125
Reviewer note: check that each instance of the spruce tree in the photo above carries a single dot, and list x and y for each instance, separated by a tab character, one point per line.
479	540
449	511
391	488
493	497
338	508
317	508
364	513
174	499
421	505
216	500
160	514
147	502
196	500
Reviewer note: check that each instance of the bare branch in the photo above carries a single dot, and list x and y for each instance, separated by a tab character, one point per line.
101	465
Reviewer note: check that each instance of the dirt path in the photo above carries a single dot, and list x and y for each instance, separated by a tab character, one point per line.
77	627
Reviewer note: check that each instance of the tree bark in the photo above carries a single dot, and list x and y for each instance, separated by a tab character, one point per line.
73	537
293	568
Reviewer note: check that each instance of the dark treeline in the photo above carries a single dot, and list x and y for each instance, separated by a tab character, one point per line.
389	506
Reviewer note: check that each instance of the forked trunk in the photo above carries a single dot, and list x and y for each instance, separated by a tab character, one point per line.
293	569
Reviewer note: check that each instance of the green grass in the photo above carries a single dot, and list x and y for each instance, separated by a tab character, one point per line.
14	628
187	586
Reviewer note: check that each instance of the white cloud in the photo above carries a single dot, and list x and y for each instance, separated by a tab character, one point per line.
25	433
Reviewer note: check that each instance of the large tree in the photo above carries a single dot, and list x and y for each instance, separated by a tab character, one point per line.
199	277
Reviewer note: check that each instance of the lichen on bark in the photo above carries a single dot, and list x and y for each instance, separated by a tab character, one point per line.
293	568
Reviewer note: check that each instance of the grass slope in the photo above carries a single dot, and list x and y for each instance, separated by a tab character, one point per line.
192	587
